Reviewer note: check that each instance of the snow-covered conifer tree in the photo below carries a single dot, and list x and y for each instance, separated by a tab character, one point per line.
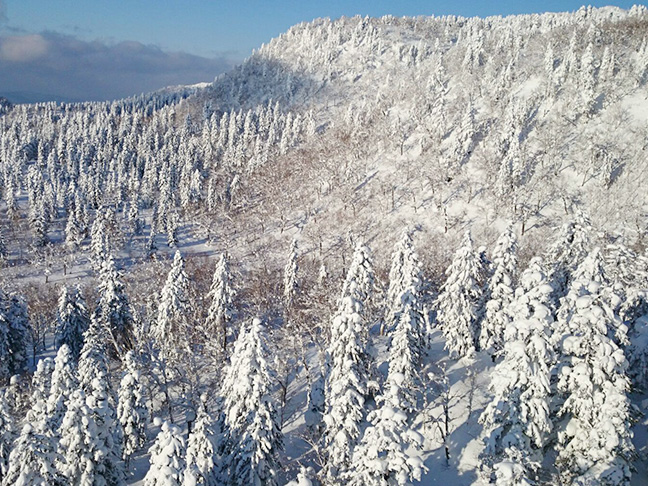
201	468
500	292
64	382
253	435
360	276
132	412
113	308
290	276
33	460
458	302
404	277
595	439
346	383
221	309
516	421
171	328
72	320
7	434
390	452
167	462
567	253
85	444
16	333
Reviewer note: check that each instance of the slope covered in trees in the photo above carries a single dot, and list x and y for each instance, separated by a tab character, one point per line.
380	251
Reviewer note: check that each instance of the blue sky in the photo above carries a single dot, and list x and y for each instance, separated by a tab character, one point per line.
96	49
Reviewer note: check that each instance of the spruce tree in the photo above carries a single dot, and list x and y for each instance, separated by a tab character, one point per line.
201	468
458	309
290	277
595	440
86	444
252	434
132	412
500	292
167	462
221	309
113	308
7	435
404	278
72	320
347	380
517	420
33	460
64	382
390	452
171	329
18	332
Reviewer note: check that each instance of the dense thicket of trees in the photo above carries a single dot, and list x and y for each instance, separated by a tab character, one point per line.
205	364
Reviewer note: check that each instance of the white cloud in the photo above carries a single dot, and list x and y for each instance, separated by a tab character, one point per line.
67	67
23	48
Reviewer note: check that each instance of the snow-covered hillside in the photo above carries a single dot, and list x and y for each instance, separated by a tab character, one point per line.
439	221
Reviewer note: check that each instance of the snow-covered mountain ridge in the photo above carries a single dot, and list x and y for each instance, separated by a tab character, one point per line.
494	333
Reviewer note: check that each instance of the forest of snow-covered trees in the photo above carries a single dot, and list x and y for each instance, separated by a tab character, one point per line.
380	252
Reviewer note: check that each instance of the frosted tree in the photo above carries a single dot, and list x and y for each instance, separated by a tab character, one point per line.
7	435
517	420
171	328
113	308
390	452
88	457
201	469
99	241
290	276
167	461
33	460
93	360
595	438
132	412
73	231
94	382
64	382
404	277
15	333
72	320
360	276
346	387
500	292
253	435
567	252
221	309
41	384
458	303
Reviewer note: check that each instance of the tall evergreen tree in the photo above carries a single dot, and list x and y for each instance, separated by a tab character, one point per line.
595	438
201	468
458	303
252	433
113	308
72	320
33	460
171	329
221	309
390	452
86	443
517	420
290	276
348	374
500	292
132	412
7	435
404	278
167	458
64	382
